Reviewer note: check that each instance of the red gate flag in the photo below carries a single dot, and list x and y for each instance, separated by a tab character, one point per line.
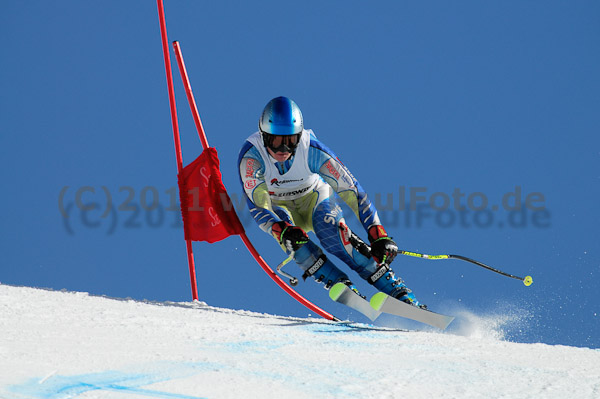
208	213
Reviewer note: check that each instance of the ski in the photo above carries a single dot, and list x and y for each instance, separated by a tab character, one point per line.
386	304
344	295
383	303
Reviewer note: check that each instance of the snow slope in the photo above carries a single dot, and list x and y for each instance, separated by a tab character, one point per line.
68	344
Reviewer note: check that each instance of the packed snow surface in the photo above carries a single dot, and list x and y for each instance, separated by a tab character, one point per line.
73	345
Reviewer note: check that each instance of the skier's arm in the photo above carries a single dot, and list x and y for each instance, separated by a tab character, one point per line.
324	162
251	169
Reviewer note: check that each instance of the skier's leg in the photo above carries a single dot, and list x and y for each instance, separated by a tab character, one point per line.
337	239
313	262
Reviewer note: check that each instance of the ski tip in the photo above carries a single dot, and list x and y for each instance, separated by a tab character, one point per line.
443	325
377	300
336	291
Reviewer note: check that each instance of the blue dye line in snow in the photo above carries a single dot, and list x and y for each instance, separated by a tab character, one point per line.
139	391
63	387
257	346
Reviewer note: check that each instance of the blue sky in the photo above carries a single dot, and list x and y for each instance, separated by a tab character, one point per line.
479	97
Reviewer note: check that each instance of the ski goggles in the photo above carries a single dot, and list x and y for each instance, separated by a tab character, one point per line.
280	143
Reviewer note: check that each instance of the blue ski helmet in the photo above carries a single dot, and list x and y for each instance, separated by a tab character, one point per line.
281	116
281	125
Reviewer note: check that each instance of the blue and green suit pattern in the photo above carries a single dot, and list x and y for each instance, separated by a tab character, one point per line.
316	211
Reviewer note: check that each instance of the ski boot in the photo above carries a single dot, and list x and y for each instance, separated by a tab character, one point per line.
315	264
386	281
350	285
405	294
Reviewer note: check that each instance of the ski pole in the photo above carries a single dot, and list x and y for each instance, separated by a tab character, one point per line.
365	250
527	280
293	280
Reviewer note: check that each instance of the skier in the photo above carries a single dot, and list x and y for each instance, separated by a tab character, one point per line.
293	182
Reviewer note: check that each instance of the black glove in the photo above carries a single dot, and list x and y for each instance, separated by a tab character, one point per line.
383	248
290	236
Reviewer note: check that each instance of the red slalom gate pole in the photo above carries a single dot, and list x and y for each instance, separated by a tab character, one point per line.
179	157
262	263
190	95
